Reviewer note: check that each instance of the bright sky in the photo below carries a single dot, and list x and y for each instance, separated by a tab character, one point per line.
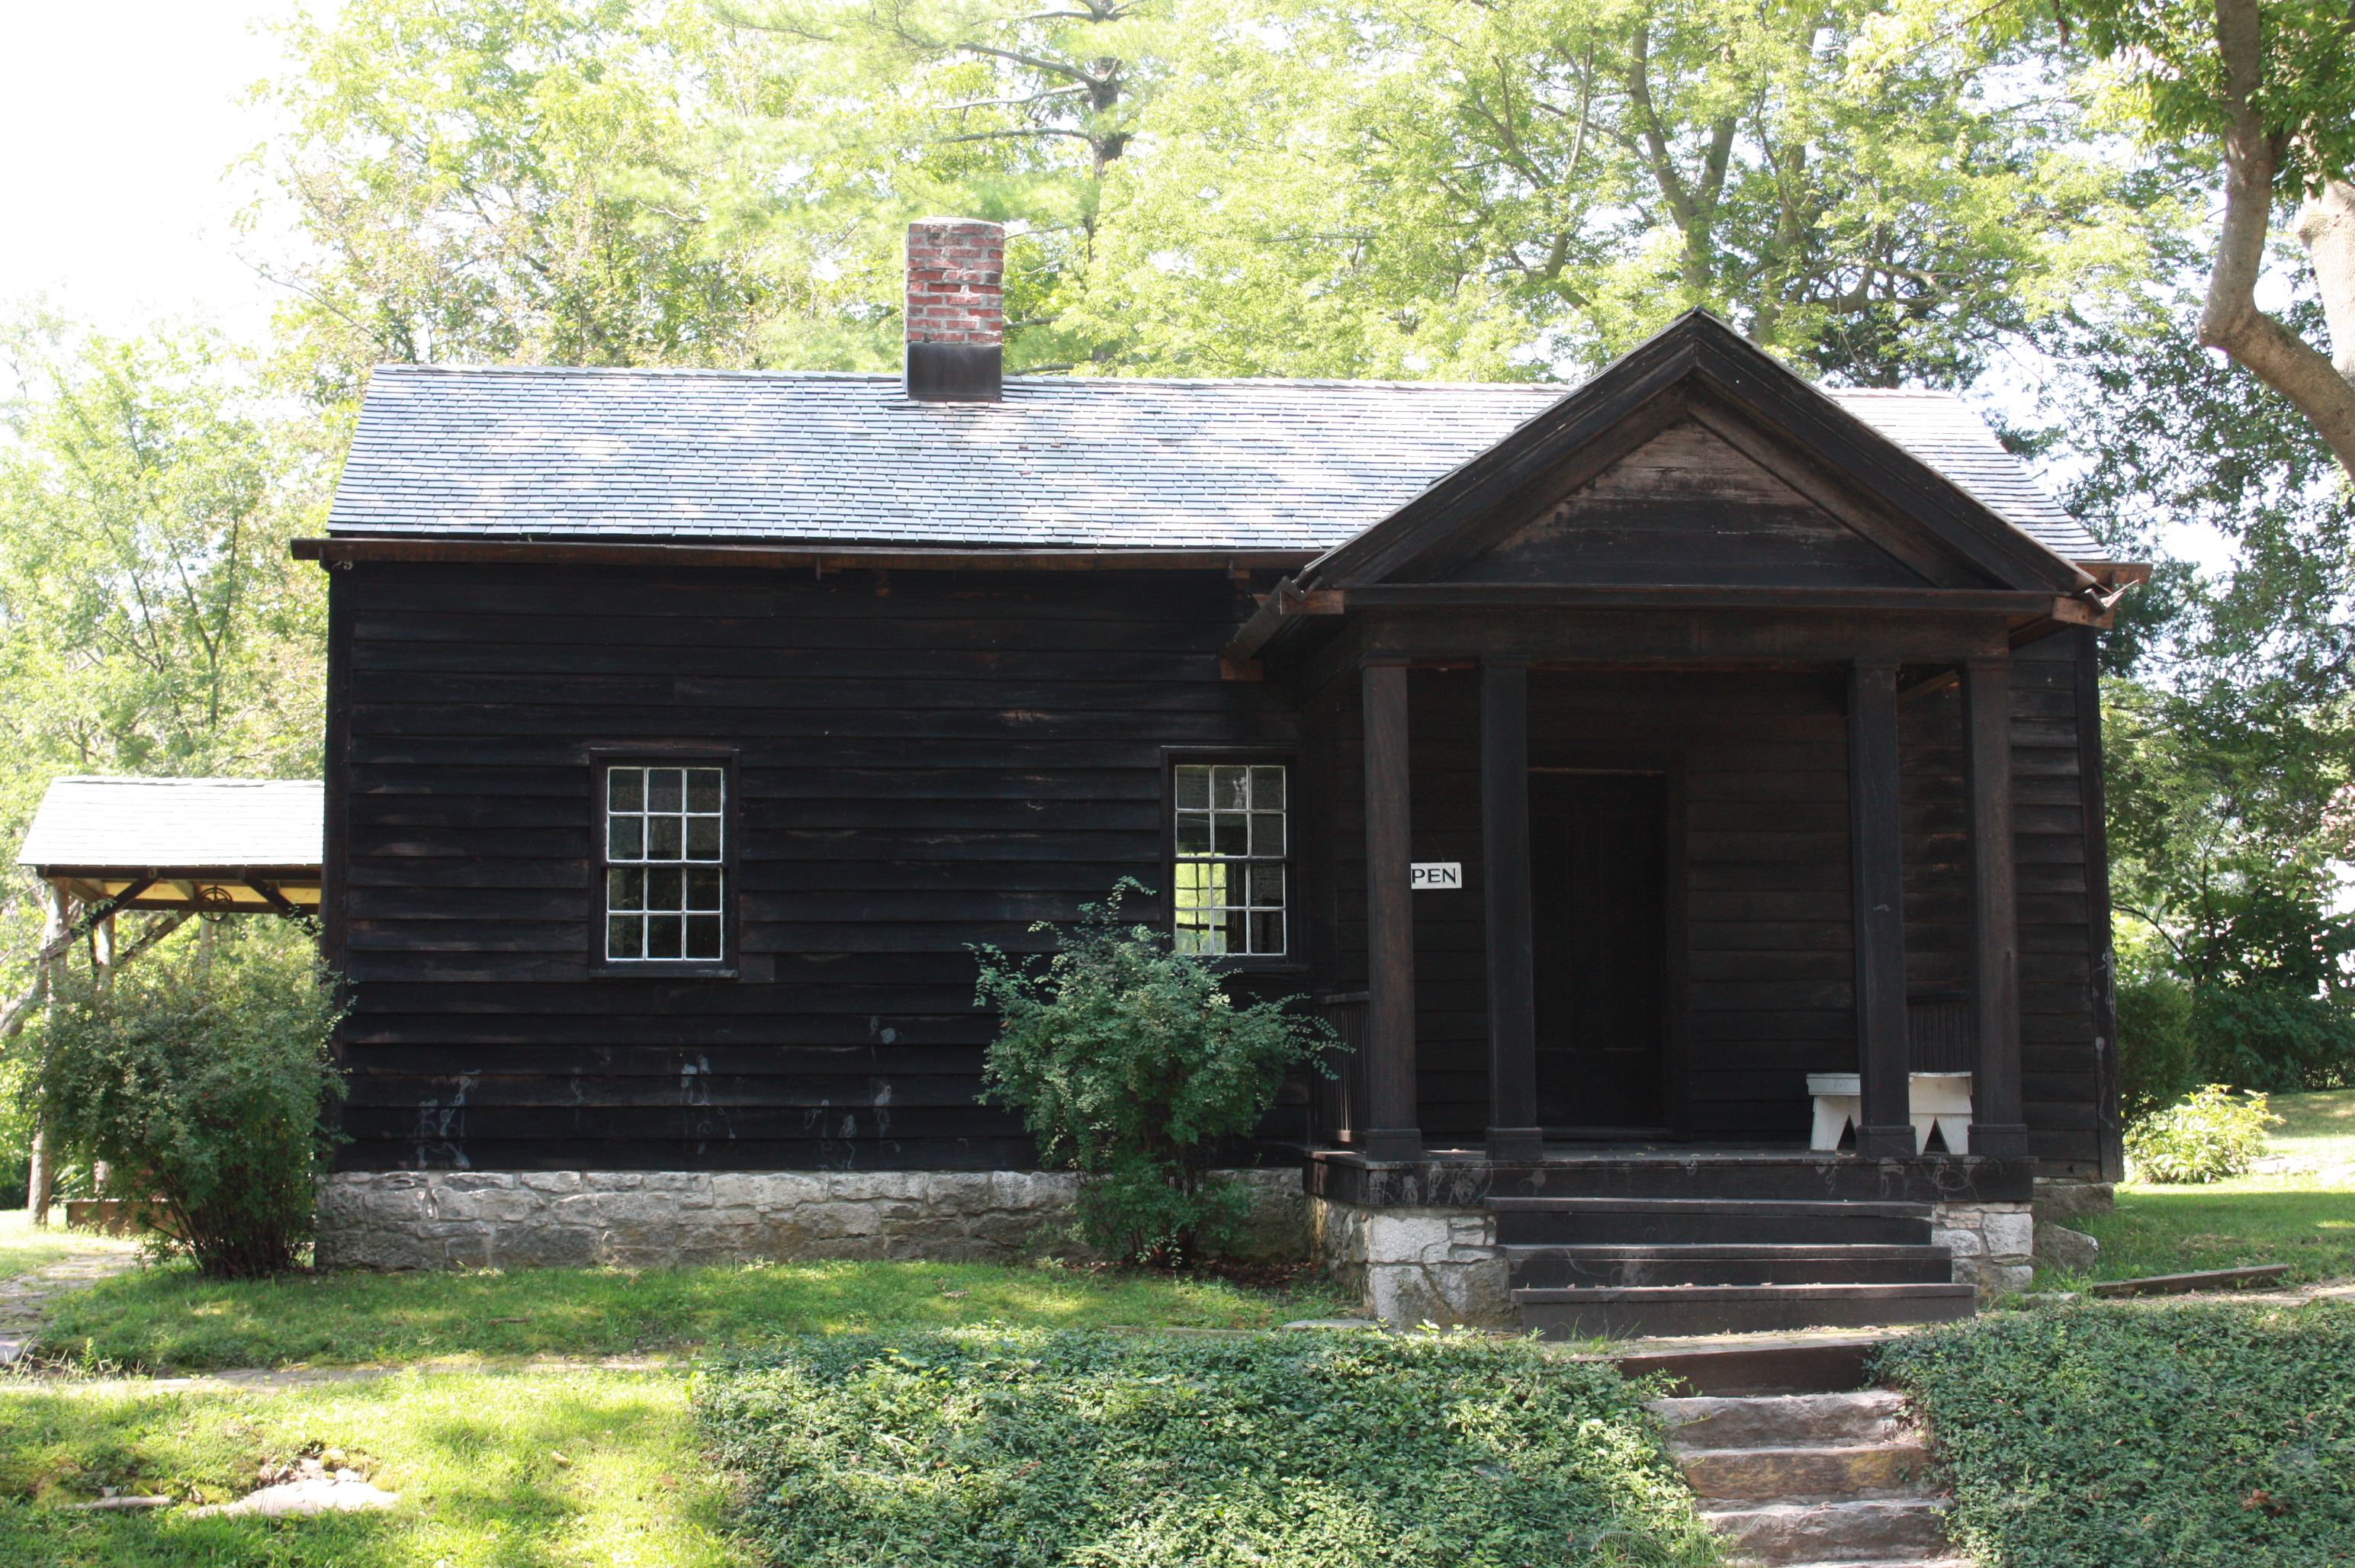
121	118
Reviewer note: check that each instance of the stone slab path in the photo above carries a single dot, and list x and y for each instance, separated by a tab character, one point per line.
24	1300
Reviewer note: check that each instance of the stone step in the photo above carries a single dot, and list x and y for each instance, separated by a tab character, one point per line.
1822	1420
1752	1475
1627	1264
1869	1530
1931	1562
1687	1221
1584	1313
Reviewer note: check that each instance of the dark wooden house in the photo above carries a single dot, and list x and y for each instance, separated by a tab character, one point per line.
686	727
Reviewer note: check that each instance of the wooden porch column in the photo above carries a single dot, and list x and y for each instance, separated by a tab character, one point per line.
1513	1131
1998	1130
1392	1132
1884	1129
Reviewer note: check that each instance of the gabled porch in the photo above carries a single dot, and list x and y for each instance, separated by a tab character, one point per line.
1714	707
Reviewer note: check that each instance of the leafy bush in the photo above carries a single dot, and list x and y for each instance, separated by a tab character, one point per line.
2157	1053
2210	1436
2207	1136
202	1077
986	1449
1130	1062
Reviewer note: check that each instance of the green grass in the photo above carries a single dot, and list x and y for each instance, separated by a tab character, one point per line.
2304	1220
2241	1223
988	1449
24	1249
171	1317
521	1470
2321	1126
2208	1435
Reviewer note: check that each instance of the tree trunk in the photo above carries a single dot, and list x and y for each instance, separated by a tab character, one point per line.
2230	320
2325	227
43	1173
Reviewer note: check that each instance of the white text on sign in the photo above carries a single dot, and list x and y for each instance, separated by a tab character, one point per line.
1430	875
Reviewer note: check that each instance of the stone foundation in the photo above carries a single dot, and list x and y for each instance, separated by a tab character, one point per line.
1994	1244
1414	1265
478	1218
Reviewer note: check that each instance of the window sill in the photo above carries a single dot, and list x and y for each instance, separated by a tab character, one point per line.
659	969
1227	965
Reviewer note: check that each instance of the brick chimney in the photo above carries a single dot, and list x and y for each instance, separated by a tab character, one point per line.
956	310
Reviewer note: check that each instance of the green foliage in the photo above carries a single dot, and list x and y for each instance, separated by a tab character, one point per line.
2211	1134
2211	1436
510	181
1414	187
175	1318
2157	1055
2171	78
202	1075
2226	827
993	1450
1130	1063
151	620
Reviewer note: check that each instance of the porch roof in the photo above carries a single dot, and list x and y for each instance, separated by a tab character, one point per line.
241	844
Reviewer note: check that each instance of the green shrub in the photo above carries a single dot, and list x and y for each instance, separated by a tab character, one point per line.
987	1449
1130	1063
2208	1436
202	1076
2157	1053
2207	1136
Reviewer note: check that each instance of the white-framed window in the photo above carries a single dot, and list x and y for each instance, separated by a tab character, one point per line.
1231	868
666	862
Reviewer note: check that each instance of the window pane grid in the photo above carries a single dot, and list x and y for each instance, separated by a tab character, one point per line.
664	881
1234	837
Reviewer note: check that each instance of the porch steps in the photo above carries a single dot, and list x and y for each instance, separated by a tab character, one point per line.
1622	1267
1625	1266
1812	1481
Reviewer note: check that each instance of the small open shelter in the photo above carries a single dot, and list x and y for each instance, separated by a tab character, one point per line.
201	846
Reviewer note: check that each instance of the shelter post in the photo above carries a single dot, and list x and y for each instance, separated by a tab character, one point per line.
1997	1128
1885	1124
1393	1133
1513	1130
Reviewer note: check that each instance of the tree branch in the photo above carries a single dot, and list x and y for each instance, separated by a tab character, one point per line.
2230	319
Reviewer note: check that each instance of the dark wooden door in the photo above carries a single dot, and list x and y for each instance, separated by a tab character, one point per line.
1598	865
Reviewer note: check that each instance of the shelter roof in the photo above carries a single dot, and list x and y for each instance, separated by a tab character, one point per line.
1107	464
166	825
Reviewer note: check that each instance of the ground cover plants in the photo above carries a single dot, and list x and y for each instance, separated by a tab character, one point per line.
173	1317
2210	1435
979	1448
493	1470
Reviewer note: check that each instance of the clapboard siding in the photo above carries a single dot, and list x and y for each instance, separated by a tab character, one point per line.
925	761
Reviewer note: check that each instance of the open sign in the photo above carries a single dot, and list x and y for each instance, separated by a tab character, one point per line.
1425	876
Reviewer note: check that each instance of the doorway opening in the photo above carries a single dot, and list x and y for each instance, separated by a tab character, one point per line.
1599	866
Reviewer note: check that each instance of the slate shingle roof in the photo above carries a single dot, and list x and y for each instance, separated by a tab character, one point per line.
182	823
1070	462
